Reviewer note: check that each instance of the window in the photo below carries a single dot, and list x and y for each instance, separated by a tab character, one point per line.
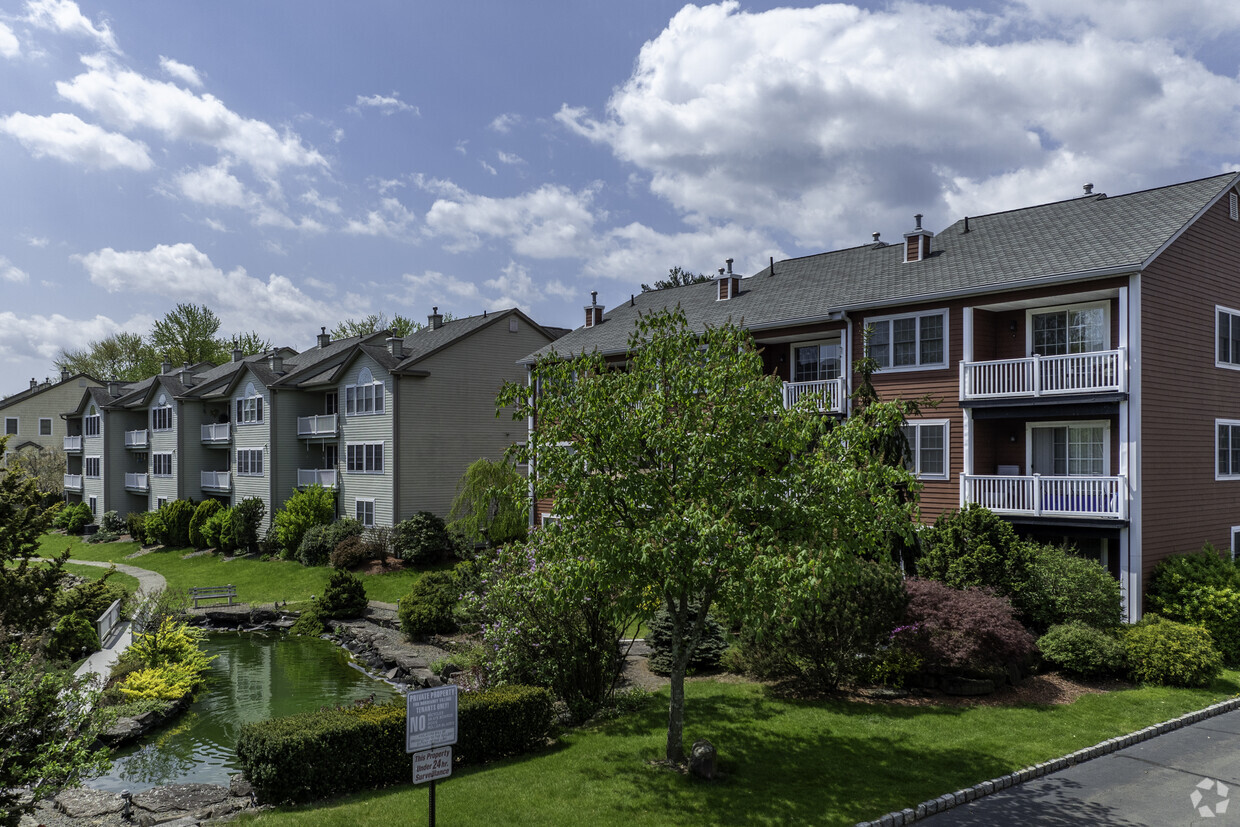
90	423
364	458
909	342
330	402
1060	331
160	502
927	444
330	456
1227	333
161	417
1227	448
250	406
817	362
364	398
365	512
91	467
161	465
93	502
45	426
250	462
10	425
1069	449
1235	532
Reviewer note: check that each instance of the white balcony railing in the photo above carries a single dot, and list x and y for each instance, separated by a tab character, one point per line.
325	477
137	482
216	433
1038	496
217	480
138	439
73	443
73	482
1034	376
829	394
322	425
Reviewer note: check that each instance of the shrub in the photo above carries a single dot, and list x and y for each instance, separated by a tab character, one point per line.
1176	577
706	655
206	509
310	622
135	522
111	521
422	539
168	682
1067	588
72	635
1083	650
1218	611
353	552
155	529
74	518
427	608
319	541
315	505
177	515
213	528
343	596
245	521
974	548
89	599
332	752
962	629
1172	654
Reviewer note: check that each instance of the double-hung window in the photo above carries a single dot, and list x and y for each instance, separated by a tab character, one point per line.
250	462
250	406
90	423
1227	448
364	510
909	342
927	445
364	458
91	467
364	398
161	465
45	426
10	425
1227	333
161	417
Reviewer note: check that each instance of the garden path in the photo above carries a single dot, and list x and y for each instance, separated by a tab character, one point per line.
100	663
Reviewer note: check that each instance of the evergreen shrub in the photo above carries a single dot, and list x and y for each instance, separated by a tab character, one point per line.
177	515
422	539
111	521
155	528
320	541
135	523
312	506
1067	588
72	635
206	509
1174	578
246	519
1083	650
343	596
975	548
1165	652
428	607
1218	610
706	655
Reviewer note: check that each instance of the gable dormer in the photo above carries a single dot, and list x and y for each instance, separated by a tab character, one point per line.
917	242
594	310
729	284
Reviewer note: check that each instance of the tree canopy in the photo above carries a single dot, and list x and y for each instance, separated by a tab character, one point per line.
490	504
374	322
676	277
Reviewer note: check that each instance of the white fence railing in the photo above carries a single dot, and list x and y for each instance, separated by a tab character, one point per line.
73	443
321	425
137	482
107	621
137	439
217	480
73	482
1038	496
216	432
325	477
829	394
1032	376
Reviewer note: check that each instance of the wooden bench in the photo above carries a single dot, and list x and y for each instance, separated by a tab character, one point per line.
213	593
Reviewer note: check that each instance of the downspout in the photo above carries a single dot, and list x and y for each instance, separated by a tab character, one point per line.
529	442
397	463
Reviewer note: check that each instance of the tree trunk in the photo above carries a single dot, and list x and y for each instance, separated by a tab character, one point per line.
676	706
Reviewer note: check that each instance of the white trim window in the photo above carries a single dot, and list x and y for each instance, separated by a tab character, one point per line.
11	424
45	426
90	422
93	504
928	442
1227	334
160	502
92	467
364	511
250	462
1057	331
815	361
1227	449
1235	541
366	397
161	416
915	341
161	465
250	406
364	458
1074	449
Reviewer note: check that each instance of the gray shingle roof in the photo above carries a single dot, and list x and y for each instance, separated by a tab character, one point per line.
1078	238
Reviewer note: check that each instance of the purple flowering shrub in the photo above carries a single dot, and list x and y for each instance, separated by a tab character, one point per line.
961	629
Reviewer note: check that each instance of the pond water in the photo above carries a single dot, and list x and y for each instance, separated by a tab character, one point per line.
254	677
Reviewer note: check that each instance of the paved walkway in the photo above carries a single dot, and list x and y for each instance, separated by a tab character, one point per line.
100	663
1185	777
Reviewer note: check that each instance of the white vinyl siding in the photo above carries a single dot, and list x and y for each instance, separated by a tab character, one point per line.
250	462
928	444
910	342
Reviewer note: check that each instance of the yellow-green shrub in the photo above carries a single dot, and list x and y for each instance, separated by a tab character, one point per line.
169	682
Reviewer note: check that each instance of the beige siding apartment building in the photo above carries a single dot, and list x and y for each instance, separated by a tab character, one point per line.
31	418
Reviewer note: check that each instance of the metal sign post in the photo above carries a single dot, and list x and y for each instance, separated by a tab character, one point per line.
430	730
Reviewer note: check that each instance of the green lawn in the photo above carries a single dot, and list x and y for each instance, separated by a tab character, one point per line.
256	581
128	583
785	762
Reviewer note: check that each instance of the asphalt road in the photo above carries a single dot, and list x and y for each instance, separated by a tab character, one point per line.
1152	783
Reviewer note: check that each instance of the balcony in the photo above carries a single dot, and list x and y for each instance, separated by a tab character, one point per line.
312	427
1037	496
73	444
829	394
217	434
140	439
73	482
216	481
1033	377
325	477
137	482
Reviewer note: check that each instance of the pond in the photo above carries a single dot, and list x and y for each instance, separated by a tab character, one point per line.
254	677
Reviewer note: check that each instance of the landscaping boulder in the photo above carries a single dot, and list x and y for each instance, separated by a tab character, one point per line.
702	760
180	798
84	803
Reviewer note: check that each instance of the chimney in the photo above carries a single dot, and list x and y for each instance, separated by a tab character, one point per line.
325	338
435	320
166	367
34	383
187	378
237	355
275	362
64	374
917	242
729	284
114	389
594	310
396	346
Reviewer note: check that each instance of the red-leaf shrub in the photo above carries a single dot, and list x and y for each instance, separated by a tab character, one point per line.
961	629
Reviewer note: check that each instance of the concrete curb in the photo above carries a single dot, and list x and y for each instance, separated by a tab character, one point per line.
950	800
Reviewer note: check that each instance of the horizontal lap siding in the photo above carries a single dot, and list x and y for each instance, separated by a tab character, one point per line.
288	451
369	428
257	435
165	442
1183	392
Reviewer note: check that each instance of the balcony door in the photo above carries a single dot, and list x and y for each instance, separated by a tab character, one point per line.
816	362
1069	449
1062	331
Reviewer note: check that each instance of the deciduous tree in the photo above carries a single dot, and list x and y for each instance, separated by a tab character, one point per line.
676	277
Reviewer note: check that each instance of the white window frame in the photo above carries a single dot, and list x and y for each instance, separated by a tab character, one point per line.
1063	308
156	462
17	424
161	418
91	426
249	462
98	463
1235	532
360	513
365	398
367	466
160	502
546	518
48	420
1234	318
792	357
1233	473
93	504
872	321
1104	424
248	408
917	425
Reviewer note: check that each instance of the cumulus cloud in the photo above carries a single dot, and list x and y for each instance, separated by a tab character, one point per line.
12	273
1138	19
390	220
320	202
386	104
42	337
65	17
509	158
505	122
9	45
68	138
182	72
549	222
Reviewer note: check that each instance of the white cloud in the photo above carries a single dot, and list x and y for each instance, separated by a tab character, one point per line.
1138	19
128	101
37	241
40	337
488	167
461	146
68	138
509	158
505	122
637	253
513	286
11	272
320	202
65	17
181	71
391	220
549	222
9	45
215	186
386	104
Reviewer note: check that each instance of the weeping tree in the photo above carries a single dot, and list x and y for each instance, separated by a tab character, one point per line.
490	505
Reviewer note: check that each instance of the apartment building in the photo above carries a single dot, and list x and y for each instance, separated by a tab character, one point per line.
1085	355
31	417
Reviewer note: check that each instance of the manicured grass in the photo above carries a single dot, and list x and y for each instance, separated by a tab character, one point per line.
125	581
785	762
257	581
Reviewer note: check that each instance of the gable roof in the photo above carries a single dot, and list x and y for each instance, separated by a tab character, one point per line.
22	395
1081	238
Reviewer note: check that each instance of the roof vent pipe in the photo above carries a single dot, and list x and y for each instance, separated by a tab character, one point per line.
1089	189
966	223
594	310
768	275
729	263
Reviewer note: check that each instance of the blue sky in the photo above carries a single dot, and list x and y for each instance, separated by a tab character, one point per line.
294	164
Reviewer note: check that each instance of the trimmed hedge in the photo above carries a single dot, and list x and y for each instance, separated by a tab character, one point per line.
1171	654
333	752
1080	649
